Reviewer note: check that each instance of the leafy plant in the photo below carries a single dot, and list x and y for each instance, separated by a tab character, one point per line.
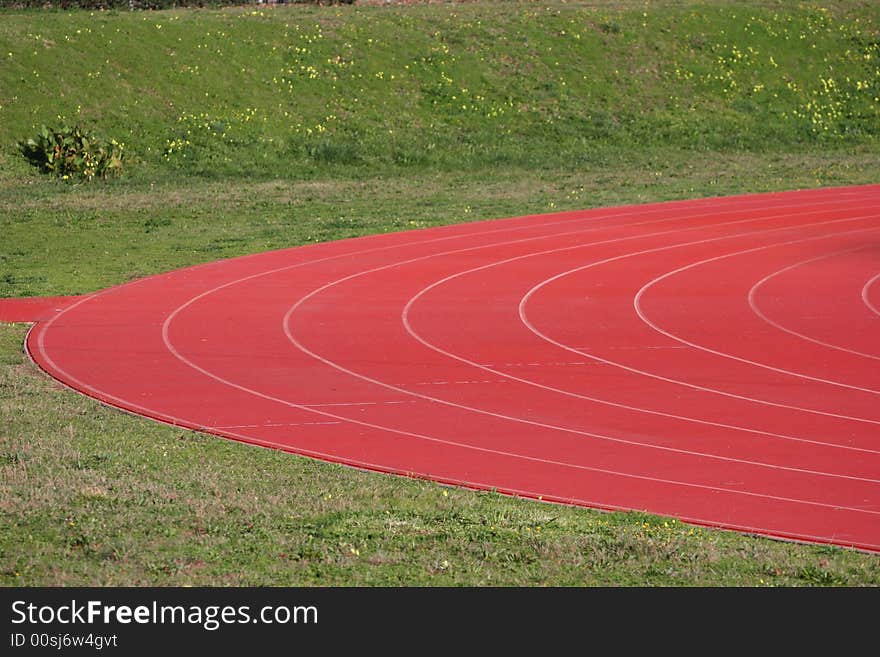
67	153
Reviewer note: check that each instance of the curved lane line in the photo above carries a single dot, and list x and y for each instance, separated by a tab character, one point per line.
753	304
638	307
865	298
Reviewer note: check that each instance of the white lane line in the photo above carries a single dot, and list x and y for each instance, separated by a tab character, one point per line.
490	367
643	316
640	348
583	352
865	298
456	383
287	321
266	425
752	297
375	403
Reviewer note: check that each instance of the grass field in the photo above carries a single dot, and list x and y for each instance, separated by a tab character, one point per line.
255	128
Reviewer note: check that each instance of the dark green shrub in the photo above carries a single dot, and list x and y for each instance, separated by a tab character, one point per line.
71	153
334	151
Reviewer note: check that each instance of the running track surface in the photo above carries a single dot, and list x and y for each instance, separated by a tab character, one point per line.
715	360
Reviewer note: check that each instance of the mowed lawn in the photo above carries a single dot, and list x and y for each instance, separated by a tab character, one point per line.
255	128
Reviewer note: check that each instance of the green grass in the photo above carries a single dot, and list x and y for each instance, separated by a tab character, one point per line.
494	109
72	239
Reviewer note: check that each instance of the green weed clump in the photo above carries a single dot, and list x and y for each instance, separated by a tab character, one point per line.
73	153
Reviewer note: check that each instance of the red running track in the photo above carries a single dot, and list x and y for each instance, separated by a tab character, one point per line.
32	309
713	360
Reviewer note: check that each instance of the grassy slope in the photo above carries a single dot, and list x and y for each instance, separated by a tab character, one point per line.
250	129
277	93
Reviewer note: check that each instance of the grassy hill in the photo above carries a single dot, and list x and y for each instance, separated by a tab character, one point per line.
288	91
251	128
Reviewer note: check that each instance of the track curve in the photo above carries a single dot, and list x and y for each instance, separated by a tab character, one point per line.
712	360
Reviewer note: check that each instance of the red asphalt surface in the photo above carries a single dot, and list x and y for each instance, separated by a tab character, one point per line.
715	361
